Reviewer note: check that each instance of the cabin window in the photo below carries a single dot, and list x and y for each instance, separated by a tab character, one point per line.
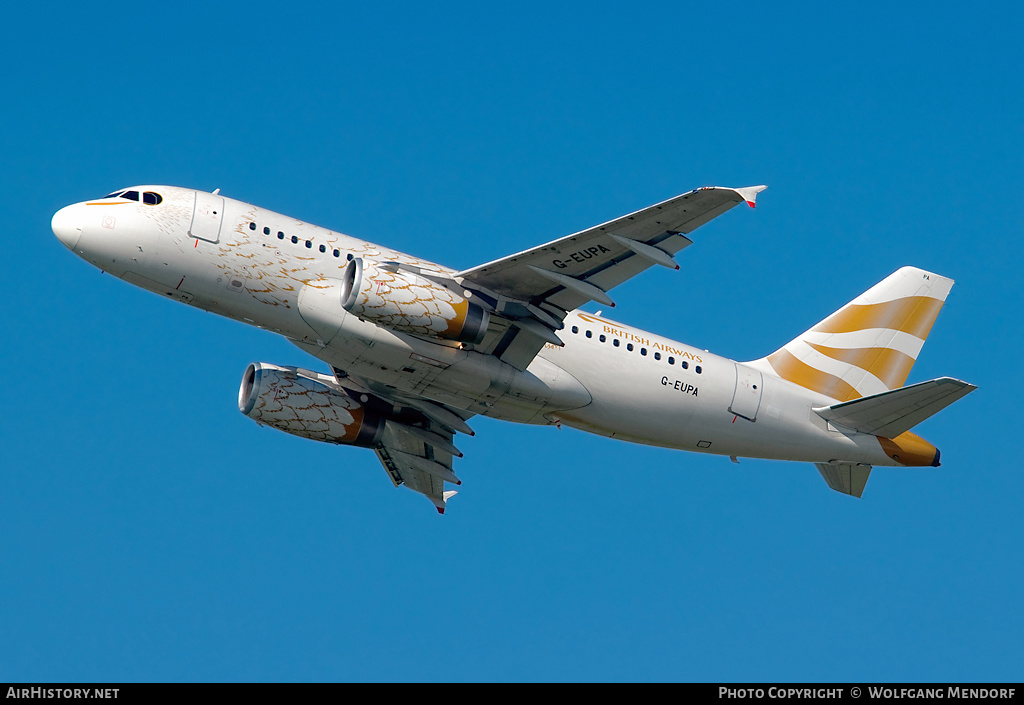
295	239
615	342
280	235
685	364
252	226
643	351
671	360
575	329
602	338
629	347
309	244
266	231
697	369
337	253
589	334
657	356
323	248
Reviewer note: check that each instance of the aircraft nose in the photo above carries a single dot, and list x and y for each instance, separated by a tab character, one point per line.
67	225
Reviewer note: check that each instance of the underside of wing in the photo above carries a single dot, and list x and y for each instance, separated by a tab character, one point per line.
417	446
420	463
531	292
594	256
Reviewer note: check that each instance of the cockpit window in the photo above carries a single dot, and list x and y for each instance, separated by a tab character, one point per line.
148	197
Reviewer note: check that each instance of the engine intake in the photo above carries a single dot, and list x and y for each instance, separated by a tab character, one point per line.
302	403
410	303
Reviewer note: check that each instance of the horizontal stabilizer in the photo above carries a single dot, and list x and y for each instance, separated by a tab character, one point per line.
891	413
848	478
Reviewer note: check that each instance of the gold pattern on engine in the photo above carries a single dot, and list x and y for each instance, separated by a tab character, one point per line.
404	301
309	410
291	402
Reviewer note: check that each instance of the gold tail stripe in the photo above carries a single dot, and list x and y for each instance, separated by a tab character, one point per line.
890	366
787	366
912	314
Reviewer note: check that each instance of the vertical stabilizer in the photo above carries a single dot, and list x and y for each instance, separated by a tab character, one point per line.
869	345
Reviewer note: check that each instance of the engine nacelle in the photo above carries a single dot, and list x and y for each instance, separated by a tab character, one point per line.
410	303
297	402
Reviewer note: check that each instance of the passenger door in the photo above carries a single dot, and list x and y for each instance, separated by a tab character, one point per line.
207	216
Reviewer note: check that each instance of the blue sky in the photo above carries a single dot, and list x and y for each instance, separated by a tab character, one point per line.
150	532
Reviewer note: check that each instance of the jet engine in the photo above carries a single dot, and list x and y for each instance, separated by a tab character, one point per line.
307	404
401	300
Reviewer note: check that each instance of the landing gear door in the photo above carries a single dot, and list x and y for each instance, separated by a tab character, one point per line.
207	217
746	397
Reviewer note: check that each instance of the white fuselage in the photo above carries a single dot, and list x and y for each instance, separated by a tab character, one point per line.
278	273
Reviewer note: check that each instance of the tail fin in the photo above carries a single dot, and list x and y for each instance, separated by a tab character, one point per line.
869	345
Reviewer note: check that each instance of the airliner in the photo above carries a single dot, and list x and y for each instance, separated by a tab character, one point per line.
414	350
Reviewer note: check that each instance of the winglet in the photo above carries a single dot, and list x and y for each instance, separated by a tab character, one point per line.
444	500
749	193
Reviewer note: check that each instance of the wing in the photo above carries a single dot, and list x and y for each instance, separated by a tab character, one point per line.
532	291
419	457
417	446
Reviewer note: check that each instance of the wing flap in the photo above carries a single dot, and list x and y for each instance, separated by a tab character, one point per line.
889	414
421	466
